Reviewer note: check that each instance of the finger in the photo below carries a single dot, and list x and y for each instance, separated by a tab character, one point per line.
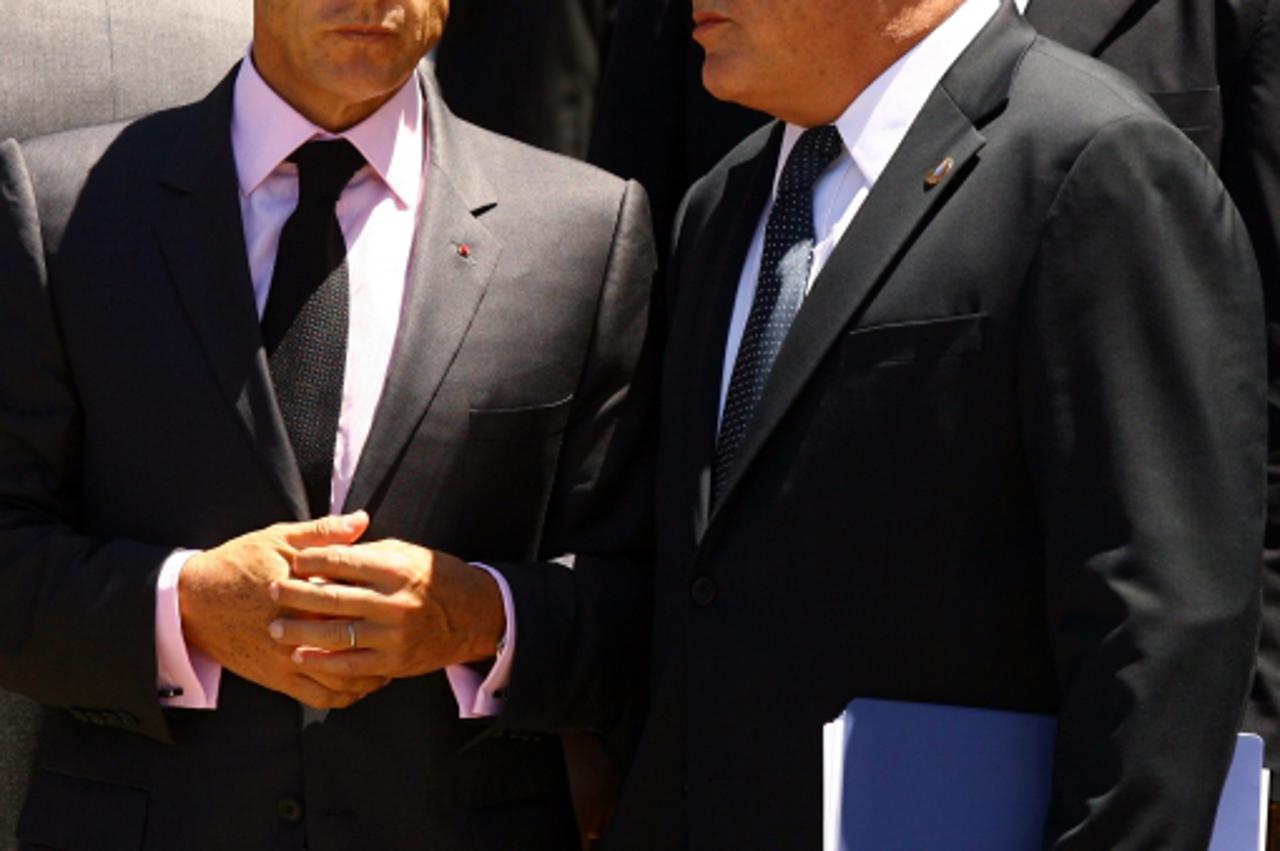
328	634
345	664
379	567
313	694
344	601
334	529
354	685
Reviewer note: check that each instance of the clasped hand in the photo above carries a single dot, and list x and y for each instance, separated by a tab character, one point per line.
280	606
411	611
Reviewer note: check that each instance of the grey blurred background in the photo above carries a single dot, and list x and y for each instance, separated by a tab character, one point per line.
73	63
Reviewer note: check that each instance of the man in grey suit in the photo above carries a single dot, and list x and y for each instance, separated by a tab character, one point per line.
73	64
155	437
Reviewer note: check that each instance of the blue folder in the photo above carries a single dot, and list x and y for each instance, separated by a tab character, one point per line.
924	777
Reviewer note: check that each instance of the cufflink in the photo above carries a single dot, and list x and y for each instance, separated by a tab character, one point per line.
166	693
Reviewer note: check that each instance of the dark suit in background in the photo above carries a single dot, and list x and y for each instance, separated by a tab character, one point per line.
526	70
1010	455
657	124
1214	67
138	415
81	62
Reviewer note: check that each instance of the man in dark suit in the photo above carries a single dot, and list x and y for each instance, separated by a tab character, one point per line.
963	402
1211	66
458	369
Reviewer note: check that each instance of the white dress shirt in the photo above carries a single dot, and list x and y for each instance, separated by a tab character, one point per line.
872	128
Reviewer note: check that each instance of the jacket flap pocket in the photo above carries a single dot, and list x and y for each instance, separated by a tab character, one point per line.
82	815
908	342
511	766
531	421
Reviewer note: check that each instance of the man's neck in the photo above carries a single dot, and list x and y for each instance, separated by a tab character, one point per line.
320	107
892	28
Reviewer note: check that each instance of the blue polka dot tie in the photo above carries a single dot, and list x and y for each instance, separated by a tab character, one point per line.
783	277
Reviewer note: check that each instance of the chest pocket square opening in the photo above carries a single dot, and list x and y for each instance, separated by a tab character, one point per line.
913	342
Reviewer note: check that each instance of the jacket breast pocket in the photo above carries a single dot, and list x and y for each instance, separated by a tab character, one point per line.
915	342
69	812
507	465
530	422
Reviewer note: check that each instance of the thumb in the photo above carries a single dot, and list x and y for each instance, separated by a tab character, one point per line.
334	529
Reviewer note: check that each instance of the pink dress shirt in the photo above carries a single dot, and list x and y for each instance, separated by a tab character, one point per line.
378	212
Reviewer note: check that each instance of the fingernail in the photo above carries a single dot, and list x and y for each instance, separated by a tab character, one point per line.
274	590
276	629
296	656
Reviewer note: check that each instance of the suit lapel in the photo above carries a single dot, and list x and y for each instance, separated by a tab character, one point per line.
202	239
699	370
1084	25
445	286
898	208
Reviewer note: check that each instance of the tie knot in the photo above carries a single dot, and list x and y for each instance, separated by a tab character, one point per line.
814	151
325	167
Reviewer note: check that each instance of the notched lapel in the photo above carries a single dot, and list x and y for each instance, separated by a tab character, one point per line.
454	256
712	290
202	239
899	207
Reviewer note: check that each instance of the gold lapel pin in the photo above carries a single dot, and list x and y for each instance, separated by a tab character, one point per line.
939	172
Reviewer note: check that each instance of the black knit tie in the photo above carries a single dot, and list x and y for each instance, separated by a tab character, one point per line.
304	325
784	274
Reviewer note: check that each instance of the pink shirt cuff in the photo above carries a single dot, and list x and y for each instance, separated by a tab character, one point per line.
178	667
477	696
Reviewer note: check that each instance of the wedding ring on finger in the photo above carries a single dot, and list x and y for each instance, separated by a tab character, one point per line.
351	635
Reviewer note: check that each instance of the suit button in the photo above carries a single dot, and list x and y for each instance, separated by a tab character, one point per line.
289	810
704	590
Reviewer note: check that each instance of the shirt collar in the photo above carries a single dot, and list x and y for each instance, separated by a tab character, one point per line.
265	129
874	125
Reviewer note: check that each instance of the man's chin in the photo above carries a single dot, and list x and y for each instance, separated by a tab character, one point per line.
723	84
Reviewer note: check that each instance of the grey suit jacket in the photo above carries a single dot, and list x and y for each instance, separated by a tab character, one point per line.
82	62
137	415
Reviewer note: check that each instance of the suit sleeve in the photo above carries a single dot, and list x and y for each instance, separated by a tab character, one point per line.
583	629
1251	170
1142	395
79	612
